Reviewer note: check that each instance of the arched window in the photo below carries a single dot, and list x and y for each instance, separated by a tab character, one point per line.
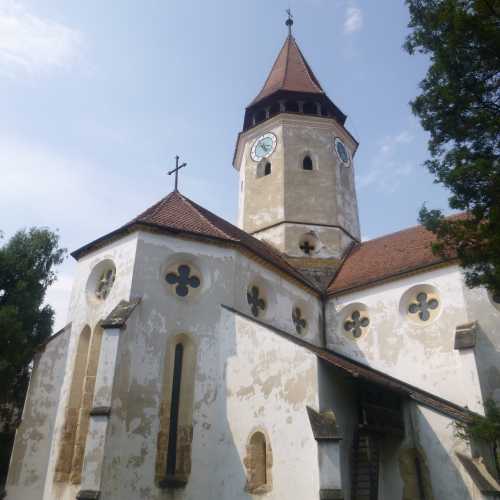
274	109
86	405
70	460
292	106
307	163
258	463
173	460
174	410
67	448
310	108
260	115
263	168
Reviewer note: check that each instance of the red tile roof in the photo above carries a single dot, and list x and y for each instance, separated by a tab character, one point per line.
177	214
386	257
290	72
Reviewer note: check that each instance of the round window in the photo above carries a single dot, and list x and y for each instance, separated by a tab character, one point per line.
256	300
101	281
355	321
420	304
184	279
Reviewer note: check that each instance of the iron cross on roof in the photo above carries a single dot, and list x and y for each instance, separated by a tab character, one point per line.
176	171
289	21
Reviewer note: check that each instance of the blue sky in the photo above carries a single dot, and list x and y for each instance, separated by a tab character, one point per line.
97	98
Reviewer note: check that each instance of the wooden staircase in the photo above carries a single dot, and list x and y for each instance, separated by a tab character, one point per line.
365	467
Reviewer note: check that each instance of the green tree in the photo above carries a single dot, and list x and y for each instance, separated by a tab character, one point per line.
486	429
459	106
27	263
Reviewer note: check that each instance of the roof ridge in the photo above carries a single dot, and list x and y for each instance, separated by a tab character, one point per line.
309	71
399	231
153	209
412	228
287	58
201	211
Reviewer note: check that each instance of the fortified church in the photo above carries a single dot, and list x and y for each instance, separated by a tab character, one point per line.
282	359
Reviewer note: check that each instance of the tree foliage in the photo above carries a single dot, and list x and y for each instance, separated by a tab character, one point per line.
485	428
459	106
27	263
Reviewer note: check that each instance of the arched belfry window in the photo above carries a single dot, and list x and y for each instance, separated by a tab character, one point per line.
260	115
258	463
71	453
274	109
173	460
307	163
292	106
310	108
264	168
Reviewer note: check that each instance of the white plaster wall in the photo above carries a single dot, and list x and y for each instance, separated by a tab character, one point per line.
84	311
482	309
422	355
435	434
269	382
131	450
131	454
281	296
30	454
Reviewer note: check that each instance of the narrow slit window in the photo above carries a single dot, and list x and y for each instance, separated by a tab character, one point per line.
175	435
174	410
307	163
267	169
258	463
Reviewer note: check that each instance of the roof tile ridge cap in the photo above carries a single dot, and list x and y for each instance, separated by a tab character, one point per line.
258	98
399	231
287	56
152	210
308	68
200	210
354	246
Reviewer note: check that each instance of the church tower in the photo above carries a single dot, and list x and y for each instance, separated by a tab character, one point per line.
295	159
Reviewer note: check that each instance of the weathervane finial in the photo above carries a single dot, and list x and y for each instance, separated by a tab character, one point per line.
289	21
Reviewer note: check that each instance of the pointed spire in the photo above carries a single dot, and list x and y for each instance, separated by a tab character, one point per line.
290	72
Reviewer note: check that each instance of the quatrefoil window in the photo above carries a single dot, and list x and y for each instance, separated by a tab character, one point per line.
299	322
105	283
255	301
423	306
356	323
183	280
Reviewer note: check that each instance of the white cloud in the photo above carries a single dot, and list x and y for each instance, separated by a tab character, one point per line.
353	20
41	187
387	170
30	45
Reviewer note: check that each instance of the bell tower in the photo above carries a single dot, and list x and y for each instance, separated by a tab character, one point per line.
295	159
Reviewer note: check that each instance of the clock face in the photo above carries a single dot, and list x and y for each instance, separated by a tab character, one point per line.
263	147
342	152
